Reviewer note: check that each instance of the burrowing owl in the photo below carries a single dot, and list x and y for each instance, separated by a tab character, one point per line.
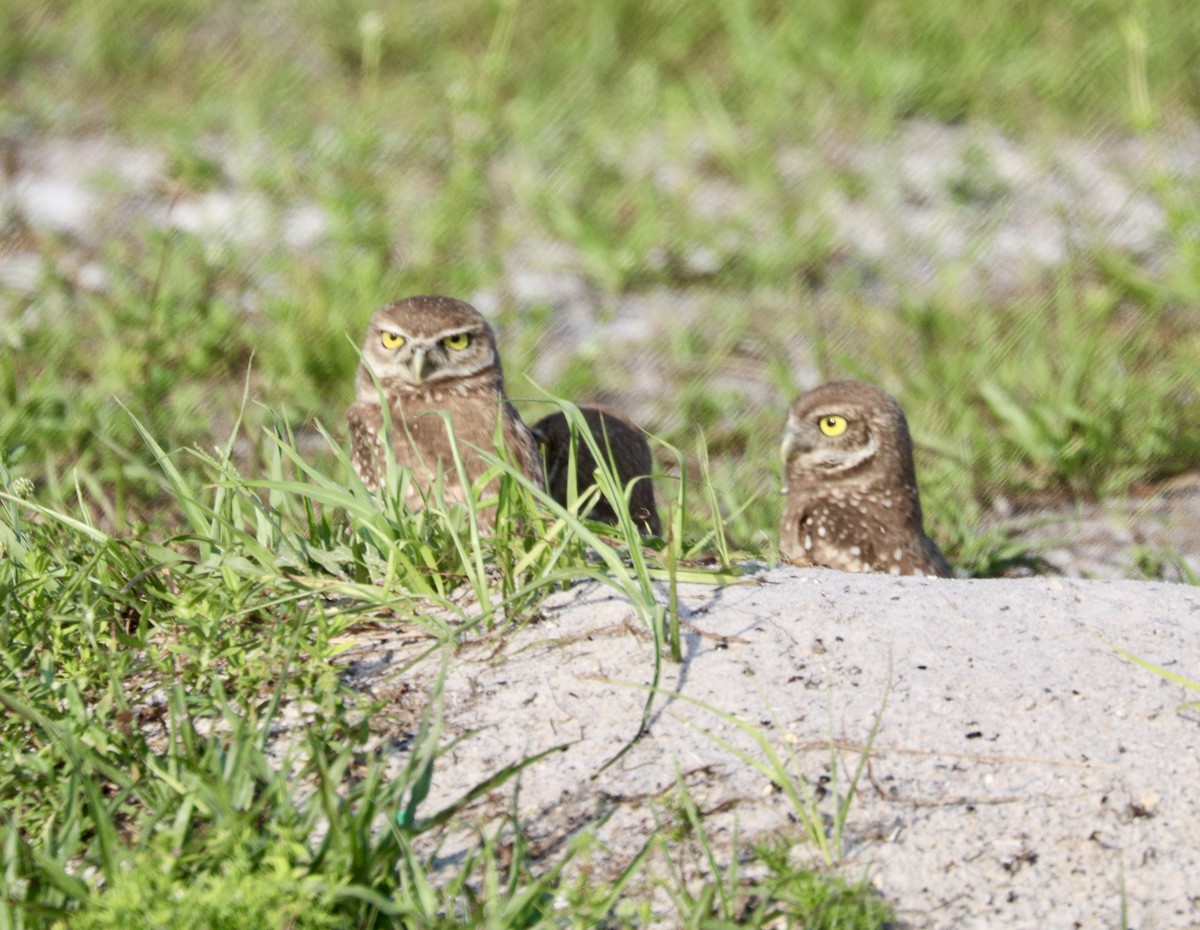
614	433
852	501
433	356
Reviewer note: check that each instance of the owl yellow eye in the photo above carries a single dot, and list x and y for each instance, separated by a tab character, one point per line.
391	340
457	342
833	425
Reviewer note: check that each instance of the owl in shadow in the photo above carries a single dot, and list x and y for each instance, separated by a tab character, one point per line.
624	447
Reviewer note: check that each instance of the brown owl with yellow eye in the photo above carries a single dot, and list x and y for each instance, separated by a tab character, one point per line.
852	500
436	368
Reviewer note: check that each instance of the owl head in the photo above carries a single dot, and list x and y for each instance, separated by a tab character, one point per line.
847	431
420	342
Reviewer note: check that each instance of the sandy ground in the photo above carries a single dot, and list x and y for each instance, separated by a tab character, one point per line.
1024	773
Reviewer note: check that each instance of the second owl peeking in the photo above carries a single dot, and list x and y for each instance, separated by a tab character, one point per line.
852	500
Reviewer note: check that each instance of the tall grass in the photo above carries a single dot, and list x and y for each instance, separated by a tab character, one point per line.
144	750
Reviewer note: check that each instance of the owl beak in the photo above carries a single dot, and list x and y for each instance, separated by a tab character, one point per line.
794	442
417	364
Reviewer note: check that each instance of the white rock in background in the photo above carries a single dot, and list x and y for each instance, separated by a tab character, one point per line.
56	205
21	271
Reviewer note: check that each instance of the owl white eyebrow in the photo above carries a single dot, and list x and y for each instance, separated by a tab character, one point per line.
850	462
453	331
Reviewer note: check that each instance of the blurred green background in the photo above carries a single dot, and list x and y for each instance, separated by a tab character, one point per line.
691	210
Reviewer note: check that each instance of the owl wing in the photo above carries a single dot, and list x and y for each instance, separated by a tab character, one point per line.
366	442
793	518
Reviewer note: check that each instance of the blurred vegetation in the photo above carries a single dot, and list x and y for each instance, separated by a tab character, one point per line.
422	68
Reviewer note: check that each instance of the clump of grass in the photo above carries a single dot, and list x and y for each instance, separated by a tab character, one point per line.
767	888
144	682
262	889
